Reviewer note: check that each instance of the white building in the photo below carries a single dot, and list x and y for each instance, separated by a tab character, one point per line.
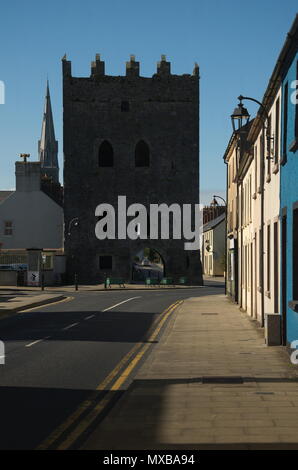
213	249
29	218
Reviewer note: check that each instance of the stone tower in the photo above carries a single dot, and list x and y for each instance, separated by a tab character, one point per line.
134	136
48	145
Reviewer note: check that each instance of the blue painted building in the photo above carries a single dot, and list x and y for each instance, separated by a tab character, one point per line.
288	60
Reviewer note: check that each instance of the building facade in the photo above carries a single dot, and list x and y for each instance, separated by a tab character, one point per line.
128	136
29	217
289	190
213	246
262	198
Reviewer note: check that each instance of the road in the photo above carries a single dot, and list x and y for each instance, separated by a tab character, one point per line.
56	357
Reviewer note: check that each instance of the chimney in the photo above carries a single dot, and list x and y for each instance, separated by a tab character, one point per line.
28	176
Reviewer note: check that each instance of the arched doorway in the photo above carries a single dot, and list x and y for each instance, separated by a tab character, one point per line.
147	263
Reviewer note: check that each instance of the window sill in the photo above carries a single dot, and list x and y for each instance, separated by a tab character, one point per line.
275	168
283	160
294	146
293	304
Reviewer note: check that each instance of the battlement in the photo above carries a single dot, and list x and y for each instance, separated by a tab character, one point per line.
132	68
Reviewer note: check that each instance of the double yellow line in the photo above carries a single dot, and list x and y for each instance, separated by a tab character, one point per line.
132	358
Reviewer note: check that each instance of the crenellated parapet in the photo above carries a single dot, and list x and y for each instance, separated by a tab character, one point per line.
163	67
66	67
97	66
132	68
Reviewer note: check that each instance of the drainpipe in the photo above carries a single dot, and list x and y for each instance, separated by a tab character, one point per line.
262	176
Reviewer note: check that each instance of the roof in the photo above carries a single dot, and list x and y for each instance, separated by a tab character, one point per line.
5	194
48	145
213	223
289	49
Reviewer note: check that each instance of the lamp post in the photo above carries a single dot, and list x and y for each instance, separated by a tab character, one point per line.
215	203
43	260
74	223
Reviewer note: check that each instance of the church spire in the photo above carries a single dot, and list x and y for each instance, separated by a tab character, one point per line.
48	145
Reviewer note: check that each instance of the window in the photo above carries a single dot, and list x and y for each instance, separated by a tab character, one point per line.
105	155
256	167
124	106
47	262
187	262
296	108
295	254
142	154
261	158
276	146
268	259
276	266
105	262
294	145
268	152
8	230
285	124
260	264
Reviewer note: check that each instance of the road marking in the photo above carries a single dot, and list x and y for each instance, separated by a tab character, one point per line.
88	420
139	356
120	303
70	326
88	318
93	414
37	341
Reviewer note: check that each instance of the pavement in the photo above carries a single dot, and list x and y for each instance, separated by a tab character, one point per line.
210	383
15	301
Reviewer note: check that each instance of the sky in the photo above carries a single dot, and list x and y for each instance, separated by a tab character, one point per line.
235	43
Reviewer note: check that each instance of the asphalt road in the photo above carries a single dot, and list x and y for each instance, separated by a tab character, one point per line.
56	356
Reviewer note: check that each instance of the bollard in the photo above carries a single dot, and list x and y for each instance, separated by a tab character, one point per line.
76	281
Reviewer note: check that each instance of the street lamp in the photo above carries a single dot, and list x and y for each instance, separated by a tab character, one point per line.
214	203
74	223
240	116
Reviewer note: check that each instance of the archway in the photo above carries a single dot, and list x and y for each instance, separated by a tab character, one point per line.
147	263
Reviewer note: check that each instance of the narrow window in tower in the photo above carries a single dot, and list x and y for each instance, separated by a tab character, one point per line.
105	154
124	106
142	154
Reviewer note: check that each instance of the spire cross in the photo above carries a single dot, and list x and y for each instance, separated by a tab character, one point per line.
24	156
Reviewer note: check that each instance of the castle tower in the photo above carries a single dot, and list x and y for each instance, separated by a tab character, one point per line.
48	145
128	136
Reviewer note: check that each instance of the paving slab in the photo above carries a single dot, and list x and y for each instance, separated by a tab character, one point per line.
18	303
170	406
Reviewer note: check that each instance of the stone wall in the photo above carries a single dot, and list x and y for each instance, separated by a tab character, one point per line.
164	112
